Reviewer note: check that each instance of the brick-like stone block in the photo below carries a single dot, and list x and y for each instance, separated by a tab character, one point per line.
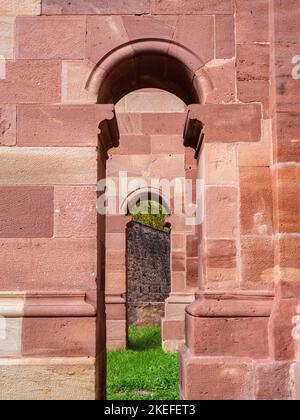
192	272
31	81
200	36
225	37
11	337
167	144
151	102
221	212
232	337
193	7
273	381
258	261
48	379
223	77
221	264
49	37
252	21
8	122
54	125
173	329
229	123
7	36
75	212
95	7
26	212
220	164
20	7
101	38
214	378
41	166
75	75
289	265
289	198
288	126
48	264
59	337
133	145
143	27
256	201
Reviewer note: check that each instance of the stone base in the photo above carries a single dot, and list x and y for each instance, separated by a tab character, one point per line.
229	378
47	379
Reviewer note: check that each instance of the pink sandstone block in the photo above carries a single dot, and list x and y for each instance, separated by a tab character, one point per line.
221	211
133	145
75	212
288	125
59	337
142	27
31	81
94	7
193	6
216	378
48	37
256	201
290	266
229	123
26	212
163	124
178	261
66	125
258	261
225	37
8	122
167	144
289	198
192	272
101	38
252	21
273	381
221	264
173	329
253	74
233	337
200	36
287	23
223	78
48	264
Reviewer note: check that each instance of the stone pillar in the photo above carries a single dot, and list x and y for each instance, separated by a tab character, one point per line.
52	338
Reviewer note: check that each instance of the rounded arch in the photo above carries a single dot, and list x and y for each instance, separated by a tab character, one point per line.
150	63
145	194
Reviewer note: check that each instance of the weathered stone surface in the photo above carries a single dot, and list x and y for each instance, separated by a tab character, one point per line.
31	81
94	7
220	164
10	337
199	38
252	21
273	381
48	37
225	37
232	337
40	166
213	378
221	264
75	212
223	77
8	122
229	123
193	6
75	75
45	264
133	145
20	7
66	125
222	222
26	212
59	337
289	198
151	102
143	27
257	256
256	201
7	35
47	379
288	125
289	265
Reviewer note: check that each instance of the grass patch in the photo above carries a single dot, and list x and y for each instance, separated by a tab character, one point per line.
144	371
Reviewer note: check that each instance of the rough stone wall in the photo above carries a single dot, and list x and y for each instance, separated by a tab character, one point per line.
148	274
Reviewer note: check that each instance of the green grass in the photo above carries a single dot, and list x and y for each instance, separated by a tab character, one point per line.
144	371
